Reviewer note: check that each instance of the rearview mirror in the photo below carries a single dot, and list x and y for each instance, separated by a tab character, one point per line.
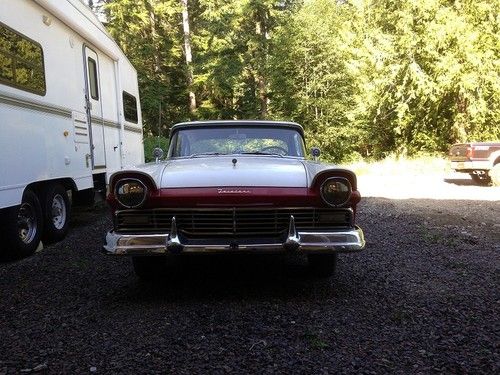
157	153
315	153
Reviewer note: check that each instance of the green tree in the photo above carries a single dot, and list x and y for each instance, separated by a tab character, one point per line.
365	77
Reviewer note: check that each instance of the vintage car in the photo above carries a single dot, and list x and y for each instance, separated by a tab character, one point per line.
481	160
234	187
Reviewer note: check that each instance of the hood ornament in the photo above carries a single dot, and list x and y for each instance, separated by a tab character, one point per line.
234	161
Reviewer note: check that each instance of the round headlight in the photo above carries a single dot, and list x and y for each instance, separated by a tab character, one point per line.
336	191
130	193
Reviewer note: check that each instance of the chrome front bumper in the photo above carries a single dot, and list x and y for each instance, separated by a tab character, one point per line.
297	241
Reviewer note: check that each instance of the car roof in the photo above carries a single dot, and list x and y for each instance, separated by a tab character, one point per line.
209	123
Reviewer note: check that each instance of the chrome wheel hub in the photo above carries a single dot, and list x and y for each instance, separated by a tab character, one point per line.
26	223
58	211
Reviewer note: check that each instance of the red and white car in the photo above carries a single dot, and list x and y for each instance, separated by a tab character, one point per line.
233	187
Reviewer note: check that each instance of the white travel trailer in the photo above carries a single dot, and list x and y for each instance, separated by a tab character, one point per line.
69	116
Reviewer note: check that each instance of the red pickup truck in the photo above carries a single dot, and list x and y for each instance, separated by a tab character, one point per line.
481	160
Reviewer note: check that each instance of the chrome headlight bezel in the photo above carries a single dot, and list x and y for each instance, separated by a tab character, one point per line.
340	180
122	182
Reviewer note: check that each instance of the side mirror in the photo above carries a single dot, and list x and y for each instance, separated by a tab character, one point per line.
157	153
315	153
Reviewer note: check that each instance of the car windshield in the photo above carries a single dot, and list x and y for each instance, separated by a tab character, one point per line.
226	140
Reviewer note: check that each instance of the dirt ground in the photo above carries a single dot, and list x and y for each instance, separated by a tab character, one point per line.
422	298
433	185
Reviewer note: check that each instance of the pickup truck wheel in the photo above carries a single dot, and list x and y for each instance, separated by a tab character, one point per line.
21	227
480	180
494	174
322	265
56	211
148	268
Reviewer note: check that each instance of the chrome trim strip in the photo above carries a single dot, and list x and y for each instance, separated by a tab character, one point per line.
309	242
35	105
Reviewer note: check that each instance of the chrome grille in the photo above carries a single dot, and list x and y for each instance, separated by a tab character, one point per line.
236	222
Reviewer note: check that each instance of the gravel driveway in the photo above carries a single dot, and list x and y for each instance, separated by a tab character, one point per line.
423	298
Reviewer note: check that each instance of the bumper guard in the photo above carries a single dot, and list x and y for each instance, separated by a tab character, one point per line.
334	241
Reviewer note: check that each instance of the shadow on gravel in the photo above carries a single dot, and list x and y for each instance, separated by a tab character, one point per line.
82	216
462	182
216	278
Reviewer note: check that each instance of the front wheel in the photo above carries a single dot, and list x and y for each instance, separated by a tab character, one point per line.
494	174
22	226
322	265
480	179
149	267
56	212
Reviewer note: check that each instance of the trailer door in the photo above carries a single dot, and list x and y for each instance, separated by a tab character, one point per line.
94	109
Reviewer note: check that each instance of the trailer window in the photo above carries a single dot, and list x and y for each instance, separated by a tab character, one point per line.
21	62
94	91
130	107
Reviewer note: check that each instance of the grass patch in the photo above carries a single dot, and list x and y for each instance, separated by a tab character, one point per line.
315	341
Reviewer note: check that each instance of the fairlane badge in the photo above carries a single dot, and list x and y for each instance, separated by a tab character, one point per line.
233	191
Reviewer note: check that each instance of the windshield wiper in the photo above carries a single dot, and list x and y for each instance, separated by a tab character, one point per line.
207	154
261	153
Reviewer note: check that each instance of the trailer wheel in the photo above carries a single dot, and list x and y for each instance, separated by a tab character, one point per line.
22	227
56	210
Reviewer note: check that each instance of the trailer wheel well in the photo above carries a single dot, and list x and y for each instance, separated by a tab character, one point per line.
38	187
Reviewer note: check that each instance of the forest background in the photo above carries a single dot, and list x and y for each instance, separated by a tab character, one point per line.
366	78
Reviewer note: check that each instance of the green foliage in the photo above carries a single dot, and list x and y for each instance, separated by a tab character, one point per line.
366	78
150	143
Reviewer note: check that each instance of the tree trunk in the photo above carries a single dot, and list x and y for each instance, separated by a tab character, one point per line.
188	54
263	36
154	35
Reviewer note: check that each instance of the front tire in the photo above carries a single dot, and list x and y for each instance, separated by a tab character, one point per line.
494	174
480	180
149	267
56	212
322	265
22	226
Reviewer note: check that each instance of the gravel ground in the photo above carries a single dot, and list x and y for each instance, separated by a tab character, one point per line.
423	298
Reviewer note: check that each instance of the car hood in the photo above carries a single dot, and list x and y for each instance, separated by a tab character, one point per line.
219	171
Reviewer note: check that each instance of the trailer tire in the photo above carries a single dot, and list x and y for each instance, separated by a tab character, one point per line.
22	227
56	213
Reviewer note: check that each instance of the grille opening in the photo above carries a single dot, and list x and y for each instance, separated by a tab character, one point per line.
232	222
